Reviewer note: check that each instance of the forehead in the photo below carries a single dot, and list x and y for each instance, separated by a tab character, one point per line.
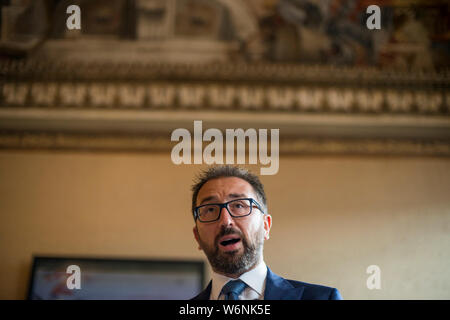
224	188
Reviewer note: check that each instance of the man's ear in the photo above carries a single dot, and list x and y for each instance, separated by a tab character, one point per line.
267	225
196	236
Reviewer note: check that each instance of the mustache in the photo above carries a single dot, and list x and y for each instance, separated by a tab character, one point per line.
224	231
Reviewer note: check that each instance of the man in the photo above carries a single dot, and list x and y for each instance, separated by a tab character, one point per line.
231	223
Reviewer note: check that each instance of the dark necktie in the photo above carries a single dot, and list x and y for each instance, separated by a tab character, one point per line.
233	289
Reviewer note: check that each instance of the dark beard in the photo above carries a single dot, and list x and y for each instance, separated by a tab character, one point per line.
233	263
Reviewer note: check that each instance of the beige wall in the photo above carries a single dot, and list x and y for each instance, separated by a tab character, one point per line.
332	217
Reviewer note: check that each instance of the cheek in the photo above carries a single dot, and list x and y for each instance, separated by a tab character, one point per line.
206	234
253	228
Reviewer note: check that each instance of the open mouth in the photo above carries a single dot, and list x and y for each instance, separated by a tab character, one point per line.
229	242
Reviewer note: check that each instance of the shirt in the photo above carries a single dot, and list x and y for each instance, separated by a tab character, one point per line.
255	280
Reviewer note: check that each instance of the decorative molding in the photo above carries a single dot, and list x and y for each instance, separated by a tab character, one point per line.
82	141
155	143
380	147
281	73
222	96
242	87
319	110
163	122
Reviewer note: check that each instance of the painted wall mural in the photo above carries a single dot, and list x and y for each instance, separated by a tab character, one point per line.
414	34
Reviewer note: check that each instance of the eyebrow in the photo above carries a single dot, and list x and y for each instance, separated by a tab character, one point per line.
231	195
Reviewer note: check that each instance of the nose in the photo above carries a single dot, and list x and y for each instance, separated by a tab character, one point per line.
225	217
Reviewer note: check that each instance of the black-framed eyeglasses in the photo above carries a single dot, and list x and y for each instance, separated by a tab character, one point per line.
237	208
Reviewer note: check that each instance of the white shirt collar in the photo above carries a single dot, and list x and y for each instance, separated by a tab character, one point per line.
254	278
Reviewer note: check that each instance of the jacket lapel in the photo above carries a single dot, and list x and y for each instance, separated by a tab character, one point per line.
204	295
278	288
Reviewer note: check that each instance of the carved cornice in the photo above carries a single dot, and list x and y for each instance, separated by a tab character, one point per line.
225	96
163	122
260	87
157	143
324	110
101	70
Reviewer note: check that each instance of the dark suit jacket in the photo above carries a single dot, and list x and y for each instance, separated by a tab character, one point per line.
278	288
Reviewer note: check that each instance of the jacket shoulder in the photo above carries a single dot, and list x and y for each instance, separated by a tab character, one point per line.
204	295
316	291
